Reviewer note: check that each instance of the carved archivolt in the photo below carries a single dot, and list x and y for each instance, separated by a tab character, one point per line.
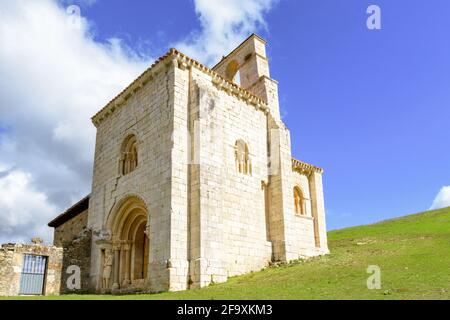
130	245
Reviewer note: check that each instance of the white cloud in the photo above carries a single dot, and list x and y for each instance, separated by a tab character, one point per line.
53	78
442	199
224	24
23	207
86	3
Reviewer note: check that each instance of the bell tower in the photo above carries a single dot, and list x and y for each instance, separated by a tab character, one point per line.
248	66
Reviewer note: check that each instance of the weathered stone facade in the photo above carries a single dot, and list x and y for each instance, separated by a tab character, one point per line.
11	264
194	180
70	230
71	234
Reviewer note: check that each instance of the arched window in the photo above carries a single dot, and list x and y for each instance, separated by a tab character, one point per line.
237	78
243	162
232	72
299	201
129	157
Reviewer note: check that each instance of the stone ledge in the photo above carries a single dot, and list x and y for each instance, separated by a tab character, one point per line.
178	59
304	168
304	217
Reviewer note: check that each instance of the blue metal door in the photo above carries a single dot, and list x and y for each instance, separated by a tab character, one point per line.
33	275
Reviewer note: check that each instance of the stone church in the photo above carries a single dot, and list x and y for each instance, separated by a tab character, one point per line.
193	180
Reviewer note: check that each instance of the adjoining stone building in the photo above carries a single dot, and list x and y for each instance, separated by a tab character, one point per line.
72	234
30	269
194	180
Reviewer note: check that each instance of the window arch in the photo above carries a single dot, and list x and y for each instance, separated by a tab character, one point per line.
129	157
232	72
299	202
243	162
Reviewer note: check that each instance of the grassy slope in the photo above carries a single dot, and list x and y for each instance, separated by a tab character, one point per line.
413	253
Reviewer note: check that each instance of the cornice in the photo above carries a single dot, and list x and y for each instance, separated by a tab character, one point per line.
304	168
175	58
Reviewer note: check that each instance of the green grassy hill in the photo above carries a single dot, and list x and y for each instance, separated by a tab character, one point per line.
413	253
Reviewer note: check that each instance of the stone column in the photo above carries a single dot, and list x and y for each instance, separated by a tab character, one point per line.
127	251
116	249
318	211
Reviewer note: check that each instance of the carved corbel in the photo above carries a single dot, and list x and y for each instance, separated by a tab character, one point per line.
102	237
264	184
147	230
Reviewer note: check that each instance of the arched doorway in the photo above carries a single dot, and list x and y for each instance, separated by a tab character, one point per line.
130	244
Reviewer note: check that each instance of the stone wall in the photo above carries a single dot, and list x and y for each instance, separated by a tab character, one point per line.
300	228
77	253
11	260
69	230
75	239
234	226
10	268
228	205
147	114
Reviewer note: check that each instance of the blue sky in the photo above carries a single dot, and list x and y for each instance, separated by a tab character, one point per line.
369	106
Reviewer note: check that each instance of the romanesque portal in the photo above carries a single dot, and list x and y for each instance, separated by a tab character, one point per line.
126	260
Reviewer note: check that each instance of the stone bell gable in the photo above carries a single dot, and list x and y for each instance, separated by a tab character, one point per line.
194	180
